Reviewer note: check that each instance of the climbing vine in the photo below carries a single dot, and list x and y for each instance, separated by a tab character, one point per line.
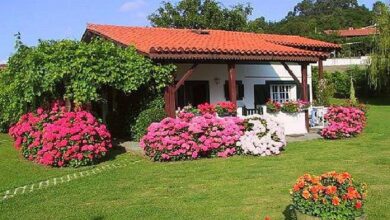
73	70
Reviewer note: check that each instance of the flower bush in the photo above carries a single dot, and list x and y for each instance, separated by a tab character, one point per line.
329	196
58	138
187	113
263	136
343	122
226	108
207	108
186	139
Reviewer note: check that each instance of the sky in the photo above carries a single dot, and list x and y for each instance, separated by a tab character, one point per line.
59	19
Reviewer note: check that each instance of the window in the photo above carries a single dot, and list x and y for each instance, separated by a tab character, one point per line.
283	92
239	90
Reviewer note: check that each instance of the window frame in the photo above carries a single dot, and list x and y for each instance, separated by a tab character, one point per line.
278	92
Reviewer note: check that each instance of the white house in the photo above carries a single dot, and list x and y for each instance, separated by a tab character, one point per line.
214	65
256	83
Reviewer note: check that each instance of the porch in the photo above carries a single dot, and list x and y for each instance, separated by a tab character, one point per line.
248	85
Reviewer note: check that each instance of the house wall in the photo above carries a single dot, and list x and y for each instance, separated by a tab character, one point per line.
249	74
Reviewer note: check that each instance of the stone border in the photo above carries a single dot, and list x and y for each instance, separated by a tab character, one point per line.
60	180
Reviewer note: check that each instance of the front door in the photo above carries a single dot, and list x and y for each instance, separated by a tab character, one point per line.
194	93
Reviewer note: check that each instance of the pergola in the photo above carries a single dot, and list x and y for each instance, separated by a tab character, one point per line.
195	47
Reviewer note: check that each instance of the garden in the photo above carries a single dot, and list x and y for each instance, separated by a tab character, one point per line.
240	187
60	159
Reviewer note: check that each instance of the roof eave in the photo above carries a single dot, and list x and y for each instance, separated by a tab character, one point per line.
218	58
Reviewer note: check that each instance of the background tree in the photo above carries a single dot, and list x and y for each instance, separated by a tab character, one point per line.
380	57
201	14
312	17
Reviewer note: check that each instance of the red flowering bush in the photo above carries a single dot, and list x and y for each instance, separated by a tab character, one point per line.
201	136
343	122
226	108
207	108
329	196
58	138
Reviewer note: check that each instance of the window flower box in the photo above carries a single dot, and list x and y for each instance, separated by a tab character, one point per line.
293	123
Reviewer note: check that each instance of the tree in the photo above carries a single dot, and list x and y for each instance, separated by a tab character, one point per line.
73	70
379	70
201	14
312	17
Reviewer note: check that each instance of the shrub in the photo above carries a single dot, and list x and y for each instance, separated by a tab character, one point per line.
188	112
58	69
185	139
207	108
325	91
58	138
343	122
363	107
144	119
226	108
329	196
263	136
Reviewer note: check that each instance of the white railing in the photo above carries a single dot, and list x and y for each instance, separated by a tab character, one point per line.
364	60
317	116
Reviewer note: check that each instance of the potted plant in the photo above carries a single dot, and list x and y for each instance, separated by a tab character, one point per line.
290	107
273	107
329	196
226	109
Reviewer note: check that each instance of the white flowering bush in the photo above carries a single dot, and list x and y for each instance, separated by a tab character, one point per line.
263	136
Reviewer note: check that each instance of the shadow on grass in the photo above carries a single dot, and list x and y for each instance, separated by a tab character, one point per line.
289	213
114	153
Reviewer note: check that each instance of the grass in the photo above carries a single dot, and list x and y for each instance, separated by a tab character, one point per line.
236	188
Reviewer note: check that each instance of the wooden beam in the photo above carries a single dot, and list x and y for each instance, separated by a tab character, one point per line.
320	69
186	76
304	82
170	91
304	92
296	80
232	82
170	99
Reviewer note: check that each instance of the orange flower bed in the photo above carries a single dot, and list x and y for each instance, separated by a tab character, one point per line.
330	196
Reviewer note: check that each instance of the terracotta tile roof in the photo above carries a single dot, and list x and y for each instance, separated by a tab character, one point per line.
298	41
354	32
3	66
165	43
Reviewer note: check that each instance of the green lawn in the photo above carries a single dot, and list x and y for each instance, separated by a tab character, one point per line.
235	188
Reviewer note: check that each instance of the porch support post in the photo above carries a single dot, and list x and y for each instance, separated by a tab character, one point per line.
304	92
169	99
320	69
232	82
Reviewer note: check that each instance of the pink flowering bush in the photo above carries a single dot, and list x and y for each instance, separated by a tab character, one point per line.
343	122
187	113
200	136
59	138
